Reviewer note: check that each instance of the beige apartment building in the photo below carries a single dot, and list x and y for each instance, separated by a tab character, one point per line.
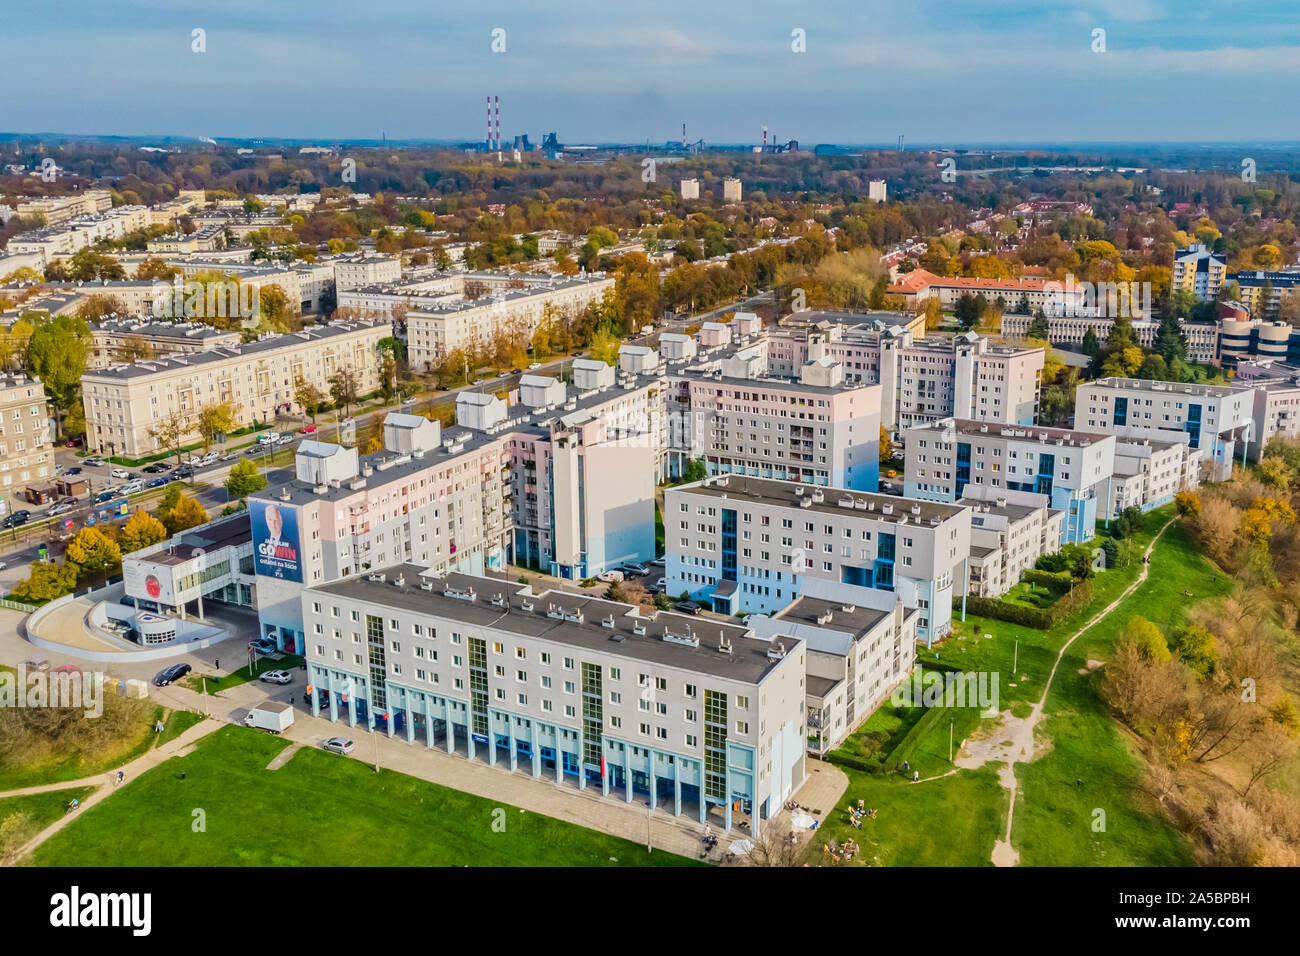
111	336
124	402
26	455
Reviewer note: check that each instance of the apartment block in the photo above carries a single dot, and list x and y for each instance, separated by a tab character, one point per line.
1010	531
1218	419
437	500
355	272
859	647
1200	271
751	544
109	337
1149	472
1261	292
595	695
124	402
921	379
26	452
1070	467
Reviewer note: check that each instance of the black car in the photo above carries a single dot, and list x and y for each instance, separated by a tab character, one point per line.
171	675
104	496
184	471
687	607
17	518
155	469
75	470
321	695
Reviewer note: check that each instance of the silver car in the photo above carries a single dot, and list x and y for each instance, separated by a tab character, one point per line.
277	677
338	745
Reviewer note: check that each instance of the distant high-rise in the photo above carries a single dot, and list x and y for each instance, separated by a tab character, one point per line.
690	189
731	190
876	190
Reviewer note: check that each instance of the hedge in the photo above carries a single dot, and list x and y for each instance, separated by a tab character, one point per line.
1041	619
1055	580
907	746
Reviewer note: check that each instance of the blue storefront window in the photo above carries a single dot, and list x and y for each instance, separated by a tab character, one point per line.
1121	411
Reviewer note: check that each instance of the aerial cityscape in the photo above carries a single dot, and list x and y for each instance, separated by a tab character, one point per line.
723	454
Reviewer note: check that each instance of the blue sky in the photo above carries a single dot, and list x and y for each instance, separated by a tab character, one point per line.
631	70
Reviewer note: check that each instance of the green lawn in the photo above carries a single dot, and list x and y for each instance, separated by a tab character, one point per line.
176	723
948	822
316	810
21	818
1054	814
1053	824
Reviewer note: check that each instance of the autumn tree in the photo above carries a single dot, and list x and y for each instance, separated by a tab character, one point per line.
344	388
215	420
170	432
91	551
140	531
186	513
133	349
57	354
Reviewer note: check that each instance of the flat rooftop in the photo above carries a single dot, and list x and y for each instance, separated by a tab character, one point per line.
835	615
789	494
574	620
1175	388
964	426
228	533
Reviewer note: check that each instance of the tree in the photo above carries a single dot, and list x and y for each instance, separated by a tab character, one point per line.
91	551
97	305
1149	639
186	513
1195	647
694	470
170	432
45	582
1038	327
244	479
1091	345
156	268
1171	340
308	396
57	355
214	421
343	389
968	310
140	531
133	349
886	447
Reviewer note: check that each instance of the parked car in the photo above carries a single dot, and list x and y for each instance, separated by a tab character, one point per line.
131	487
308	429
409	400
635	569
104	497
659	562
17	518
58	510
322	696
687	607
73	443
268	438
534	365
69	500
171	675
120	473
94	462
230	457
610	577
277	677
157	468
515	371
74	470
158	482
184	471
263	646
3	565
284	439
338	745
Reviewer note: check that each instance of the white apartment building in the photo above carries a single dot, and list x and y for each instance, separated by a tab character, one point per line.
124	402
731	190
859	648
750	544
690	188
1216	418
355	272
110	336
1070	467
1010	531
1149	472
590	693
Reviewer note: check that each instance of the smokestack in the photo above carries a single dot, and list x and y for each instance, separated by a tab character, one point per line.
683	136
489	117
765	139
498	106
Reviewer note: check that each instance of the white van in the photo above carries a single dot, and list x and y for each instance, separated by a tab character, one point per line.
268	438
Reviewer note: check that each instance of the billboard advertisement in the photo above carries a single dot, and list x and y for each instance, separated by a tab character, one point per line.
148	582
277	552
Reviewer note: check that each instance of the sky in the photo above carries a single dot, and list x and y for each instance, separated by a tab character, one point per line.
959	72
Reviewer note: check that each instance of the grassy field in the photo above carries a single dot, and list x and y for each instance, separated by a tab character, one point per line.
1088	763
175	724
948	822
21	818
1053	824
320	810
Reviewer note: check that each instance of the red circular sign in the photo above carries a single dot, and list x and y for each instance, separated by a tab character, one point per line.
152	586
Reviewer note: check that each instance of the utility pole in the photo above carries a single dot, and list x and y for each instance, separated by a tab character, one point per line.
950	723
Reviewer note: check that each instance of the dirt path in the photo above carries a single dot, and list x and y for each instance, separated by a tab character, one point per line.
104	782
1013	739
